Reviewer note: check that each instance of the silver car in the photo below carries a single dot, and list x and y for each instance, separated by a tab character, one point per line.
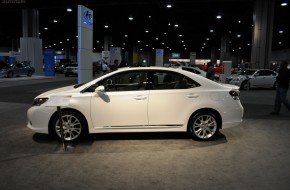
254	78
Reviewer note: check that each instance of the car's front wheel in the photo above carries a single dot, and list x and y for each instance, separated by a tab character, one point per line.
74	126
10	74
245	85
204	125
29	73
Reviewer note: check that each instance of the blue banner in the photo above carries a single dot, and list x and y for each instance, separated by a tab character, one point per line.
49	62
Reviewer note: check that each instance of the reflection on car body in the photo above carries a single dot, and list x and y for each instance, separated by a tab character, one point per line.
140	99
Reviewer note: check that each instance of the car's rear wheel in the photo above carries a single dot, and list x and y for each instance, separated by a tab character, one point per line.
74	126
245	85
204	125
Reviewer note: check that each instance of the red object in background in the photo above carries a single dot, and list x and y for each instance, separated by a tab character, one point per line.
204	67
219	70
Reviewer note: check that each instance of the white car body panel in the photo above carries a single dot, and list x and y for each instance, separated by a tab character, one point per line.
144	110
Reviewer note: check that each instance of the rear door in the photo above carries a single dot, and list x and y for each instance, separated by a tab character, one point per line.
171	98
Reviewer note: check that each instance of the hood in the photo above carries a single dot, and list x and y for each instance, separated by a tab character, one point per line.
63	90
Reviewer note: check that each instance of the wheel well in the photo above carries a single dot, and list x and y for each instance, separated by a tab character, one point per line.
216	113
55	114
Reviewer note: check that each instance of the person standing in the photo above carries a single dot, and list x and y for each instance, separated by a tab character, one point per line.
282	80
210	72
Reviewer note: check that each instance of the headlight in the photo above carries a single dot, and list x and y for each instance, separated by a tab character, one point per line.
39	101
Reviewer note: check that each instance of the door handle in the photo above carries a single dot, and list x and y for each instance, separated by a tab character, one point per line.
140	98
192	96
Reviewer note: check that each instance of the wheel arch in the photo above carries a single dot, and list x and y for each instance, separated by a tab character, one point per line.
215	112
55	114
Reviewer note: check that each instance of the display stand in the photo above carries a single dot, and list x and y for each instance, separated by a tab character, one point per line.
58	101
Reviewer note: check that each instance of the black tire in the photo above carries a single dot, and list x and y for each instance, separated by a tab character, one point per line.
29	74
74	125
275	85
204	125
245	85
10	74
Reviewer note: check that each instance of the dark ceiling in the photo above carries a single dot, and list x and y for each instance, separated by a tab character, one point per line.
195	19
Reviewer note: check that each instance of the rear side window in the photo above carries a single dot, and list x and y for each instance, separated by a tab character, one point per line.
165	80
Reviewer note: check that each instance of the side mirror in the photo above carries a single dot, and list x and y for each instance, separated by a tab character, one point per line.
100	89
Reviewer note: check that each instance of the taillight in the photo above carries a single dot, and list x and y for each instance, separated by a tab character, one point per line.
235	94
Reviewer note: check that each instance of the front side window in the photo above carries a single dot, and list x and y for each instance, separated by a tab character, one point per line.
125	81
164	80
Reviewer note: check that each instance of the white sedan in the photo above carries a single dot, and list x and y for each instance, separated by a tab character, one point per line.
139	99
254	78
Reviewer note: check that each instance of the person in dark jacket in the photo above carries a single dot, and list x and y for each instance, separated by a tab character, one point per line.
282	80
210	72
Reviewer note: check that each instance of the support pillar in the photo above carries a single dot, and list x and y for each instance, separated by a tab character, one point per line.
30	43
262	33
225	49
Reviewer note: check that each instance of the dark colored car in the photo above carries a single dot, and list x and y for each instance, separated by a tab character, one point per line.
17	69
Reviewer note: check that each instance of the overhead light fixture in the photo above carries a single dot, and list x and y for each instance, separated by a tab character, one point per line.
130	18
147	31
106	26
281	32
69	10
176	25
219	16
284	3
169	5
45	28
211	30
54	20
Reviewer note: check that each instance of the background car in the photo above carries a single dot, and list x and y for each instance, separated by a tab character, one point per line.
71	69
139	99
254	78
17	69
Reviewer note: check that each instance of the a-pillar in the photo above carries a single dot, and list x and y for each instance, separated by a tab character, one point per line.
262	33
30	44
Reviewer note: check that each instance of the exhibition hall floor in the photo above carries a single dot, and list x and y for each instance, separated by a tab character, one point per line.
254	155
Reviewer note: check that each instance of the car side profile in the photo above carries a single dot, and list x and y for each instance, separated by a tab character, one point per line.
254	78
17	69
140	99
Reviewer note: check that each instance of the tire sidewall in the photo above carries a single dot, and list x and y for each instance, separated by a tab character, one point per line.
197	115
84	128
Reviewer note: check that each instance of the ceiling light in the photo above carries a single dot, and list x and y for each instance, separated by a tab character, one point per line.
211	30
106	26
238	35
169	6
207	39
147	31
176	25
54	20
45	28
279	43
126	36
69	10
281	32
219	16
130	18
138	41
67	39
